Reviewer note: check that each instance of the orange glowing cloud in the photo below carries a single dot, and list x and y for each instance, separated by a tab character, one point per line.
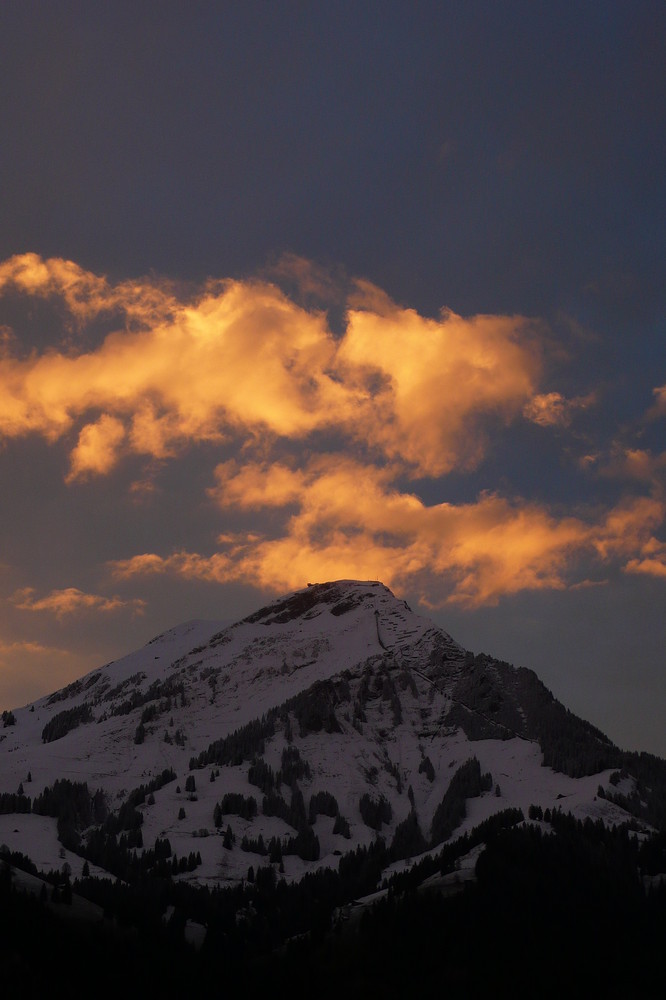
659	408
24	647
349	521
241	359
652	560
84	294
552	409
310	279
429	385
636	463
97	448
72	601
329	431
26	668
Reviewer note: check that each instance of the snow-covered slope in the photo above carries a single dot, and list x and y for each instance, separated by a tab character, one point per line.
366	697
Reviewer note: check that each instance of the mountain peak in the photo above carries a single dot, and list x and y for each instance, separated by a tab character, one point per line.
338	597
340	686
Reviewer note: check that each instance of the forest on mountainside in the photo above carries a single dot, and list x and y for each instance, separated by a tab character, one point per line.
547	909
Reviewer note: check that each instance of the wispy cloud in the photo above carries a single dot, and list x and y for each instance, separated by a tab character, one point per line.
25	646
84	294
343	519
652	560
27	668
72	601
659	407
639	464
552	409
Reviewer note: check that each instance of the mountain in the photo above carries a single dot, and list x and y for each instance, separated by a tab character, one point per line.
339	687
256	781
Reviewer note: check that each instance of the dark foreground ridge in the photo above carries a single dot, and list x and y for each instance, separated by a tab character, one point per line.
547	910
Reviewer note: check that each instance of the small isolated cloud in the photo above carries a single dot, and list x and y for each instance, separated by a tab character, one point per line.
72	601
659	407
551	409
98	447
30	648
310	279
144	489
652	560
638	464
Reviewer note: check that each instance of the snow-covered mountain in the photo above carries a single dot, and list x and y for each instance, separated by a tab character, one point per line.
339	712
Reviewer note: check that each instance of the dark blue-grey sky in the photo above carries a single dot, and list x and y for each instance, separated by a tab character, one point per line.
311	289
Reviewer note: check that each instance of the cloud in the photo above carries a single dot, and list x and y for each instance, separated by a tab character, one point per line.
430	386
311	280
652	560
330	432
347	520
84	294
22	646
97	448
659	407
639	464
552	409
240	359
627	528
28	668
72	601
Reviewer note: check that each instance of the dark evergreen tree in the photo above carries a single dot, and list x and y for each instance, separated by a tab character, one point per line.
426	767
341	826
408	839
64	722
375	812
322	803
466	783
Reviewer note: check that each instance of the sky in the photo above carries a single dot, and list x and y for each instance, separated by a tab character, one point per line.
292	292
